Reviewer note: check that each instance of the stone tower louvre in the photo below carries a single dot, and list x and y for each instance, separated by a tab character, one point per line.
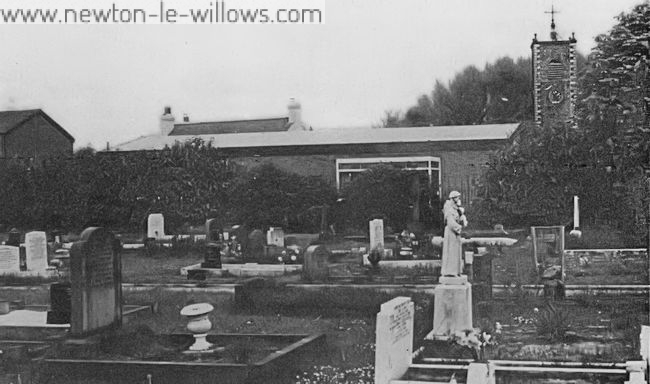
554	80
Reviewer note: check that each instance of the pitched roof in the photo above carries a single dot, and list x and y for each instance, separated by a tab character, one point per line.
236	126
10	120
332	137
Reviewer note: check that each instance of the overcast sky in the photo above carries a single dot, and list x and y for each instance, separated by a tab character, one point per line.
109	83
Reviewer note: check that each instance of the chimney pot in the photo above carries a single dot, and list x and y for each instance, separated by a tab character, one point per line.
168	111
186	118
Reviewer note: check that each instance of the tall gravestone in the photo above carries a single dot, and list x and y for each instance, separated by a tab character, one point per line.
36	251
156	226
256	243
213	230
394	339
212	257
96	281
9	259
377	234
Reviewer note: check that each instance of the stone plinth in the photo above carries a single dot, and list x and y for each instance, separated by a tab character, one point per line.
452	308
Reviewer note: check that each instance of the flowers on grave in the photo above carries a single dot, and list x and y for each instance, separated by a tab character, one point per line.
475	339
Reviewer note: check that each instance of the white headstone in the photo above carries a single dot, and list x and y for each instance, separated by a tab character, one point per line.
275	236
645	343
9	259
394	339
377	234
36	251
156	226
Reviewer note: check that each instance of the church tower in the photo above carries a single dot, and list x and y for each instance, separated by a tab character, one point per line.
554	79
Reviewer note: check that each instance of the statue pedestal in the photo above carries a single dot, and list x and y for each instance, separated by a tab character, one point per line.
452	307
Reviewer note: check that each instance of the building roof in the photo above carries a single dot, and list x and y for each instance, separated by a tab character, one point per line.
236	126
332	137
10	120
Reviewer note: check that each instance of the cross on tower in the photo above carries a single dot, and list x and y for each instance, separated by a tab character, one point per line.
553	12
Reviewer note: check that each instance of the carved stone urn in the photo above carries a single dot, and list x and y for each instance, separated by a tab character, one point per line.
199	324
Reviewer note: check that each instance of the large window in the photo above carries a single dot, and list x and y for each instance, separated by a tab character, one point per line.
348	169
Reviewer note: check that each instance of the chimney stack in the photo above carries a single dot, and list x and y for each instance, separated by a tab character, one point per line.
295	115
166	122
186	118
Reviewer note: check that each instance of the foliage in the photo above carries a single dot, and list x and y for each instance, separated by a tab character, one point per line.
374	257
499	93
267	196
532	180
187	183
380	192
474	339
552	322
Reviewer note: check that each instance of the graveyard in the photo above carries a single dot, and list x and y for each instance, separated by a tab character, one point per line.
496	239
321	320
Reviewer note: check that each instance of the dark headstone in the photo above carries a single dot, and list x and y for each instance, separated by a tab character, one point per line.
60	303
96	278
482	277
256	243
315	266
13	238
213	228
212	255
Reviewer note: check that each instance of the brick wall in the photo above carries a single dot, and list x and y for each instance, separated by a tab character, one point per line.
462	163
36	139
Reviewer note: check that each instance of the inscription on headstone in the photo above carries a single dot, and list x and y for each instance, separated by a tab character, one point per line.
394	339
95	272
9	259
377	234
36	251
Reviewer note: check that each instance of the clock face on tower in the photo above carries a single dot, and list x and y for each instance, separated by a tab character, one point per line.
555	95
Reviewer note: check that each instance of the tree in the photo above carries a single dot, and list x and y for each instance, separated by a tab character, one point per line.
532	179
500	93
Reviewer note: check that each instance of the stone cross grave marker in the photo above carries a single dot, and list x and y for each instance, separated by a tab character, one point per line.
394	339
315	267
156	226
9	259
275	236
377	235
96	278
36	251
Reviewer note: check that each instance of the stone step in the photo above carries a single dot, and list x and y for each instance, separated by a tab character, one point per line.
434	373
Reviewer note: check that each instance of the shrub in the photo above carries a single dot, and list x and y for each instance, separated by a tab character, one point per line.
268	196
552	322
380	192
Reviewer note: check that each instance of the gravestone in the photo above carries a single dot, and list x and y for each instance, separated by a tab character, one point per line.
394	339
213	230
213	237
377	235
9	259
315	265
13	238
275	236
156	226
96	282
36	251
256	243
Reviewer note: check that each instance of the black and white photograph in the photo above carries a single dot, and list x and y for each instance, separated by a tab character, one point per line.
324	192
